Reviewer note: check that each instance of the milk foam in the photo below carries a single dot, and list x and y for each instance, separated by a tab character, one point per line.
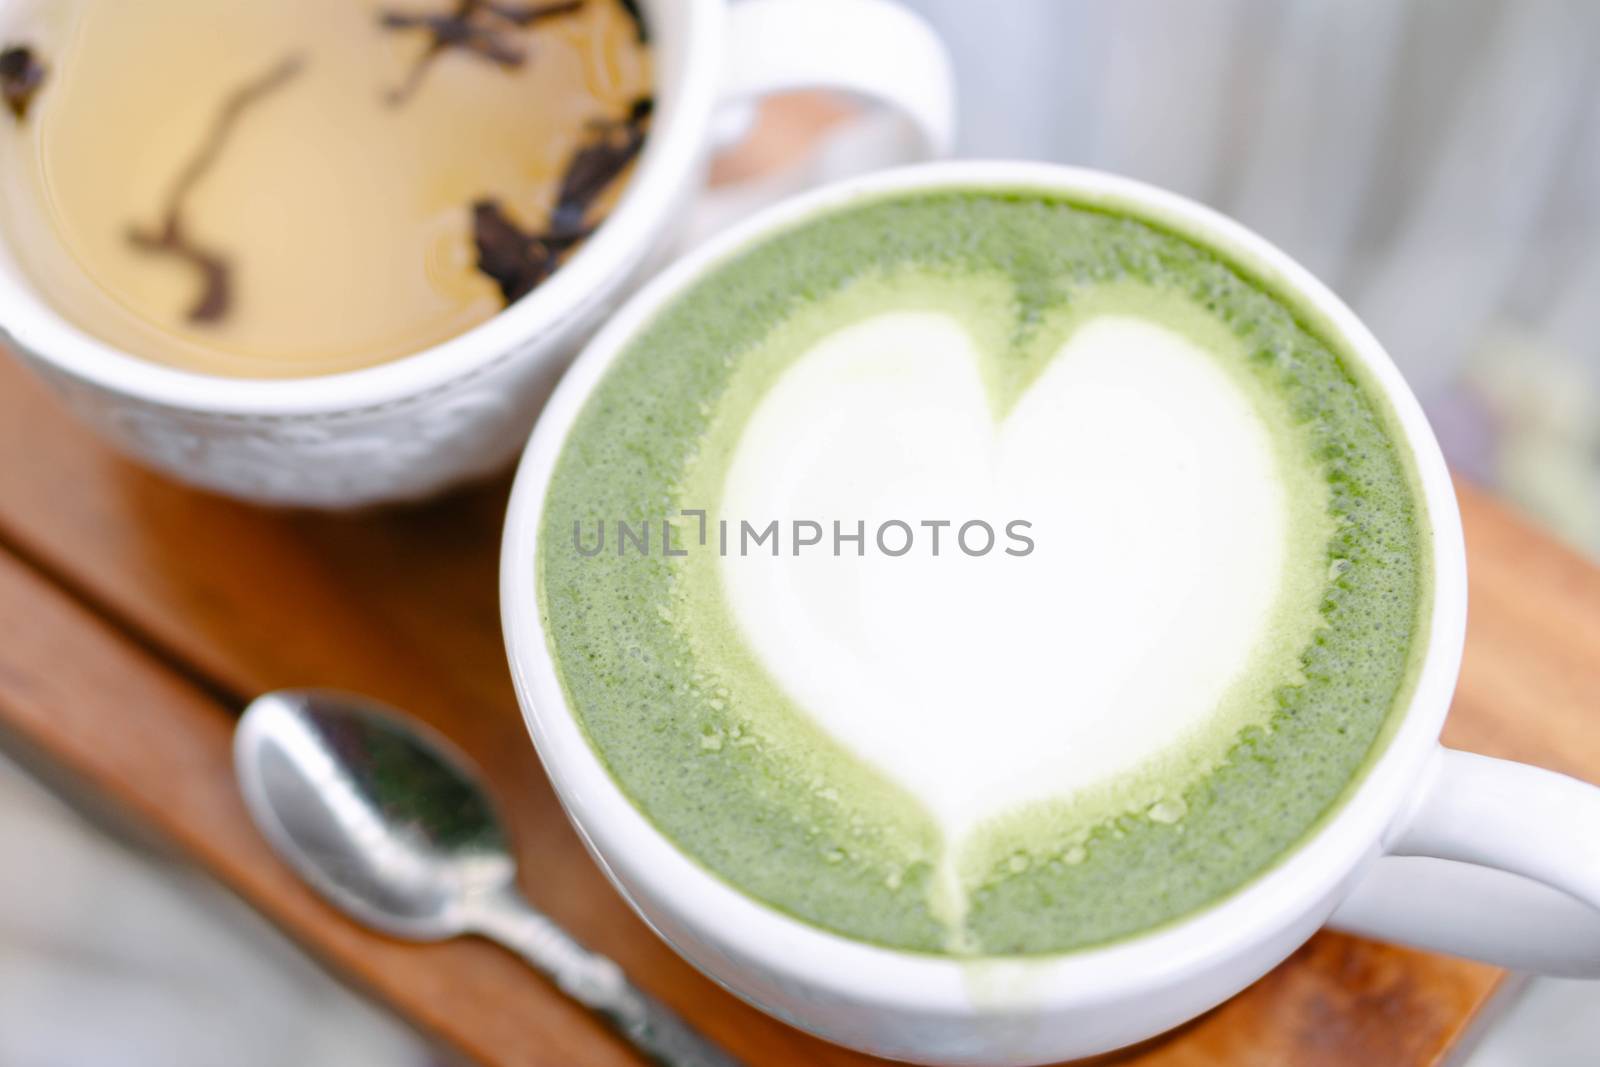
979	684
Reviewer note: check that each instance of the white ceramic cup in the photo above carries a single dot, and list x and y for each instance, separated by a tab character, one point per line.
410	427
1433	847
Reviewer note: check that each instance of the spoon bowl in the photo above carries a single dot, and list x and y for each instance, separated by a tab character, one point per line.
376	811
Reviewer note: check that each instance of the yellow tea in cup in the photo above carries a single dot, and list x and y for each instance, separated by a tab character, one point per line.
277	188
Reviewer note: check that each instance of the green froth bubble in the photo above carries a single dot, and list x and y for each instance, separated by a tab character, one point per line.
715	755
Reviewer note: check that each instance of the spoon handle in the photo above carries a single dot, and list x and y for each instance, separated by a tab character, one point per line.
597	983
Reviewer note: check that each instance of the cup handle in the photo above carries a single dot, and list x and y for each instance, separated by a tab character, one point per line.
1496	861
878	50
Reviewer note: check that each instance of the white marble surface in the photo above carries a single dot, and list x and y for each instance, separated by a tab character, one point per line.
111	956
1552	1023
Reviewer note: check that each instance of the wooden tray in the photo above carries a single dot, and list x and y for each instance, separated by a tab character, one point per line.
139	617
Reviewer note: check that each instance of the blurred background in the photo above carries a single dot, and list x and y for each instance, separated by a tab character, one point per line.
1437	162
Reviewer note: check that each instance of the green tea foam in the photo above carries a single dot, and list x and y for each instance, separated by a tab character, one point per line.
1198	596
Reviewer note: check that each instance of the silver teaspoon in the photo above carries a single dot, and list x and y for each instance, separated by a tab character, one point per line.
389	821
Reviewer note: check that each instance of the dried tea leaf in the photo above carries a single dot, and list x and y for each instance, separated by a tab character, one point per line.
528	14
516	259
481	27
216	273
597	164
21	77
456	30
171	237
641	31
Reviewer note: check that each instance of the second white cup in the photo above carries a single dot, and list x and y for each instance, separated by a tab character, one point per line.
411	427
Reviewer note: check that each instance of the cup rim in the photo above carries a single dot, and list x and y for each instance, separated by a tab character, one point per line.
1301	885
671	156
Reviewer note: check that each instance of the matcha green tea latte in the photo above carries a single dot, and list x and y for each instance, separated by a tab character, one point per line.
984	573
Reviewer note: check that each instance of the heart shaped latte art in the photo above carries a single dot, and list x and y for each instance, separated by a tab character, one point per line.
1104	658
